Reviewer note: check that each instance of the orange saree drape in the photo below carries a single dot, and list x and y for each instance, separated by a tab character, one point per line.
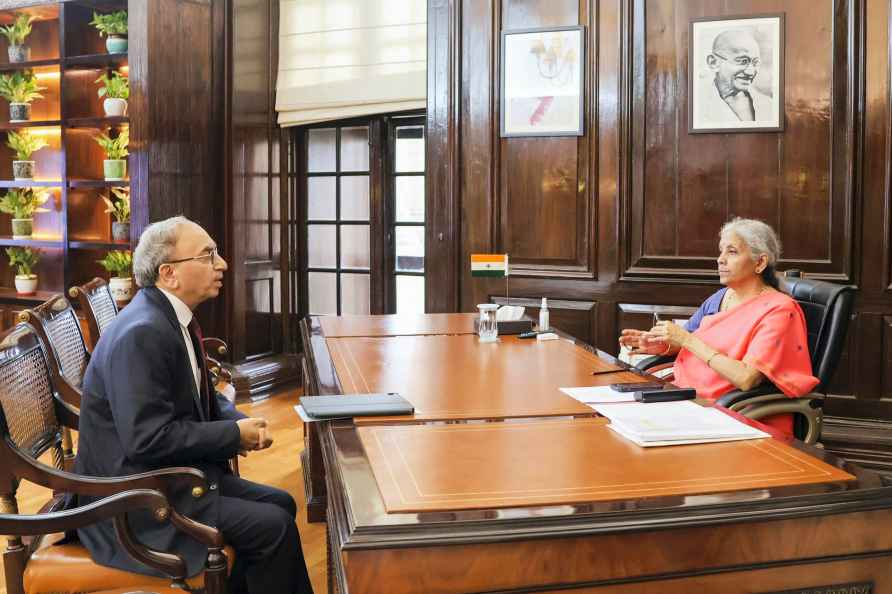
768	333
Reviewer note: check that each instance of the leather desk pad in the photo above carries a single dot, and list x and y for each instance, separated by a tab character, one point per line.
422	468
457	377
398	325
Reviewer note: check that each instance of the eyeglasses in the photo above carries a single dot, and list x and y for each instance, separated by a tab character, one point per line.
210	256
744	61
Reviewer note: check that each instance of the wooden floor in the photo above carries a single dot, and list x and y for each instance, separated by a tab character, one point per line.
278	466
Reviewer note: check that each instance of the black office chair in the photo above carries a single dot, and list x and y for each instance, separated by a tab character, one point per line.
827	308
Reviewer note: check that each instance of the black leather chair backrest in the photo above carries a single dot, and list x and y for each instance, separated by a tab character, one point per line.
827	308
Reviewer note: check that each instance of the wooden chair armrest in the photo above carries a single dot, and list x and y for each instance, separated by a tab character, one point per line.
66	414
68	393
217	370
116	508
215	346
165	480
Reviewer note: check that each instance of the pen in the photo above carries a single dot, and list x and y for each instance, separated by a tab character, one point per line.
603	371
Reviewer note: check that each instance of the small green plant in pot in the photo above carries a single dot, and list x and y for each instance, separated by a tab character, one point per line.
22	203
24	144
20	89
116	90
16	33
118	263
115	164
114	27
24	260
119	208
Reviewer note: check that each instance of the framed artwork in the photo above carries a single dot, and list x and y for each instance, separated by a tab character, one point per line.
736	74
542	81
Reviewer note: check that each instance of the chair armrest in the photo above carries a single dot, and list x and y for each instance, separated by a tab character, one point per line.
165	480
116	508
66	414
737	398
68	393
215	346
646	364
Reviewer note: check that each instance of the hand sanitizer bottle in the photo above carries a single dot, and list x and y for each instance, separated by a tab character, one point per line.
543	315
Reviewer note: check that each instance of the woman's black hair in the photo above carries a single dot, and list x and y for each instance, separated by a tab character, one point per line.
769	275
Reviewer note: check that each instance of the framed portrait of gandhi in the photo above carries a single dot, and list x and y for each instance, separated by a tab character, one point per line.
736	74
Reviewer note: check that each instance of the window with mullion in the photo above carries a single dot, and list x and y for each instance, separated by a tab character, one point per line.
406	144
338	266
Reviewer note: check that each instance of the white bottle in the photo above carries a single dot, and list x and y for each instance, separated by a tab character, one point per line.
543	315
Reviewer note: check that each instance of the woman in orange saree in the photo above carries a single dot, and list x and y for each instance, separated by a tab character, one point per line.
745	334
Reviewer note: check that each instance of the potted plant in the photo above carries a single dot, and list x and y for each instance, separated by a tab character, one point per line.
116	90
114	26
114	166
24	144
24	260
120	209
118	262
22	203
20	89
16	33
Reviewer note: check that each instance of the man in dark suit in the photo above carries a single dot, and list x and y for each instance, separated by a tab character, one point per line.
148	404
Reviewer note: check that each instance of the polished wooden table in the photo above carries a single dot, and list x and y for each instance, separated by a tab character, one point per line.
760	516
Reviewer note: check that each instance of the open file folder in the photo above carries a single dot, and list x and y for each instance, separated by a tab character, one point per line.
674	423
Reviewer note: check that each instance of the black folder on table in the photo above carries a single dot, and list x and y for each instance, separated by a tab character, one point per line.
356	405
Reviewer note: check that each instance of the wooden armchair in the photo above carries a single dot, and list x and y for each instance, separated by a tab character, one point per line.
31	421
99	307
114	508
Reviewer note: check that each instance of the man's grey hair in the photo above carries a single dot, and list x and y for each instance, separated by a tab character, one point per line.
156	246
759	236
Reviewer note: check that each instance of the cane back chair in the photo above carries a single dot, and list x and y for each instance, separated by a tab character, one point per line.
31	418
100	309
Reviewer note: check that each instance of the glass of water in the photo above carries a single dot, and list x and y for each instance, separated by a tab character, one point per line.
487	328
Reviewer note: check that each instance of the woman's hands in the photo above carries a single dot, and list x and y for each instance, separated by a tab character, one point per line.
640	342
670	333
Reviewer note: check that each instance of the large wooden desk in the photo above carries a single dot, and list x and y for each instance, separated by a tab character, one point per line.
722	536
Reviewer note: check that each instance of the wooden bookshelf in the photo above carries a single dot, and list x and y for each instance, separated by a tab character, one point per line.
67	56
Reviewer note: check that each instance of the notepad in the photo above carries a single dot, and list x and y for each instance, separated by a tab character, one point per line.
674	423
356	405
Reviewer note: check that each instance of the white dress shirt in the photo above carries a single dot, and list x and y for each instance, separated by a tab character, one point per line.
184	317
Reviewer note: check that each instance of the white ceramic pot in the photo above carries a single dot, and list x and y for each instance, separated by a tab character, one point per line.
115	107
23	170
26	284
121	288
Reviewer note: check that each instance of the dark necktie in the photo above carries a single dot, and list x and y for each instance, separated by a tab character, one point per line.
198	346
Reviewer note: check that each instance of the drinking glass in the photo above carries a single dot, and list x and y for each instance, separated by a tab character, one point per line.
487	328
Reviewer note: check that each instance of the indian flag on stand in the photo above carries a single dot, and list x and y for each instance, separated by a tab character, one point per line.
489	265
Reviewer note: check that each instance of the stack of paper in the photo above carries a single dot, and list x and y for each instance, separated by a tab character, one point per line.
598	395
674	423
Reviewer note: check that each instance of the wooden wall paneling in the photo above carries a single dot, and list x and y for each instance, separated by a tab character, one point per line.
176	106
544	213
801	180
443	245
577	318
479	143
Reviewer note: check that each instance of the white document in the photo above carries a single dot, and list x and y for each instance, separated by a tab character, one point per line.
667	423
598	395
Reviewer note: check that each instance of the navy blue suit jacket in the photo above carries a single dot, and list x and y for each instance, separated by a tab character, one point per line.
140	411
